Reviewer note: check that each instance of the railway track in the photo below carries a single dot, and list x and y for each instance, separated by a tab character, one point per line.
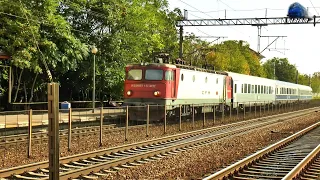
7	141
295	157
98	163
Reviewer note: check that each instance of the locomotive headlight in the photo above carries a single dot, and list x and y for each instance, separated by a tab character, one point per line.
156	93
129	93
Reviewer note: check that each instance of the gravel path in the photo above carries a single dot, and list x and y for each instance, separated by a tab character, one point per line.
196	163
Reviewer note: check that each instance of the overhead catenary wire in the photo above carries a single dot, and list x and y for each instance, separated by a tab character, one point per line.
314	7
208	15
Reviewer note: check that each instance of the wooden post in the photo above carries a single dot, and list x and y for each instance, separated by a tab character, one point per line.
165	120
237	111
148	119
53	130
204	116
222	118
10	84
244	111
127	124
255	109
101	126
192	116
30	133
180	117
69	128
214	114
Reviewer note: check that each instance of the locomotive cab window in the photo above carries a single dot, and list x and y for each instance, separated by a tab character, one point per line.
154	74
169	76
134	74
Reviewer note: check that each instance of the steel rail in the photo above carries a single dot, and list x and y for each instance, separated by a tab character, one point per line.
301	168
240	165
41	165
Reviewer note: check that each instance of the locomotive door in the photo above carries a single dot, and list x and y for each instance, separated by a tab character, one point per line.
173	85
170	75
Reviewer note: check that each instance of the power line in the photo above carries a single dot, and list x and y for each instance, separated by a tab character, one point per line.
314	7
207	14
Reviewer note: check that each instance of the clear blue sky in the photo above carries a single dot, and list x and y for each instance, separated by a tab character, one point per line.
303	41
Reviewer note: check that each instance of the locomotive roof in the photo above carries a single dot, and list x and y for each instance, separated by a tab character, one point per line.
182	66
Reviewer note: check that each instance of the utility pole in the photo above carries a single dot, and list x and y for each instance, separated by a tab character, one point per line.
94	50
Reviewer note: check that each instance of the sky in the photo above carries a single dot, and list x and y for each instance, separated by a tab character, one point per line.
302	41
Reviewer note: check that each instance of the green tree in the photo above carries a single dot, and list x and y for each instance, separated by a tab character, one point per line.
35	35
284	71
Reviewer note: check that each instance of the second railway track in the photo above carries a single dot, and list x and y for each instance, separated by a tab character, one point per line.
295	157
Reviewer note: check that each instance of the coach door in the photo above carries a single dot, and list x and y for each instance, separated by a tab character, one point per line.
228	89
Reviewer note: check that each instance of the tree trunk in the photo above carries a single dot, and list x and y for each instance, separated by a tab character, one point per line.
25	95
18	88
32	88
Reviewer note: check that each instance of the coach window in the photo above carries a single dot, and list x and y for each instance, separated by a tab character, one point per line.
134	74
241	88
169	75
256	89
245	88
217	81
235	88
249	88
193	78
206	80
182	77
252	88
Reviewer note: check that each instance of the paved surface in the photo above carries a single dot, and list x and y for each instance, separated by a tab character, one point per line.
20	119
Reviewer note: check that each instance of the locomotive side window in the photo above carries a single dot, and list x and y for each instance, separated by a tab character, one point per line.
169	76
154	74
206	80
182	77
134	74
217	81
193	78
235	88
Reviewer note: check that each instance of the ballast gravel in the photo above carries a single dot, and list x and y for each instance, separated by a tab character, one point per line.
202	161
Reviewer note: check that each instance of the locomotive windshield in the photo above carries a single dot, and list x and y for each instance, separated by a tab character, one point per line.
149	74
135	74
154	74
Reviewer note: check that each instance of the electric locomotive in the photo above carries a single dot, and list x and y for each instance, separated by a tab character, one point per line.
152	87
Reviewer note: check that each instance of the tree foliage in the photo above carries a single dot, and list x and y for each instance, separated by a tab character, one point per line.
60	34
